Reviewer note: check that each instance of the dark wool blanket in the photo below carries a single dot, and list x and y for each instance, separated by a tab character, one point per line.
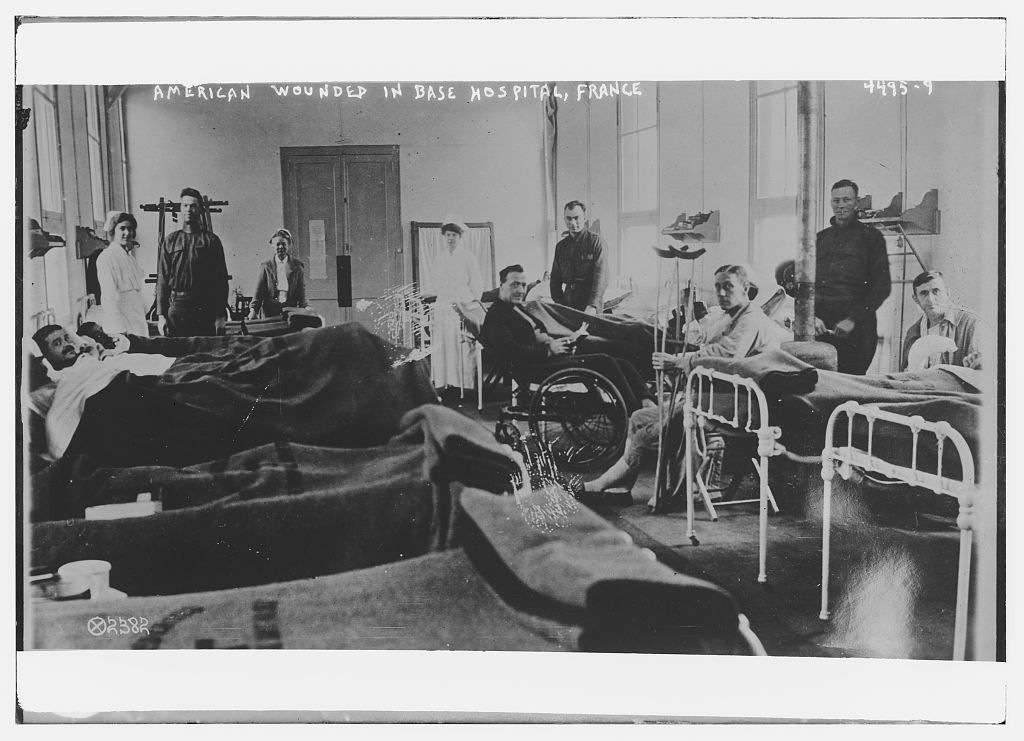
776	372
336	387
278	511
936	395
580	586
561	321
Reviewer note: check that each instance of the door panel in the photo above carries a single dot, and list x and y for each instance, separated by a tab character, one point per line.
344	201
366	238
314	223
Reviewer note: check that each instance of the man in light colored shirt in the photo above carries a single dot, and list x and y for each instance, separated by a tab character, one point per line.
81	369
942	319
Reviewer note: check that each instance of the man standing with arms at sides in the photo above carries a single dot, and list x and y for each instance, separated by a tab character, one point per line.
191	276
852	281
579	274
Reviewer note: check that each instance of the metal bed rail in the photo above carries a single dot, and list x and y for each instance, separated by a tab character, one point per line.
843	458
697	411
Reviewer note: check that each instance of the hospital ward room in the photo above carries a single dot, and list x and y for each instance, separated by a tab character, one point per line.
654	367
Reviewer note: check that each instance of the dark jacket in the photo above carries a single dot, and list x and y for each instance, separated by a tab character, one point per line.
510	337
581	264
192	263
265	296
852	273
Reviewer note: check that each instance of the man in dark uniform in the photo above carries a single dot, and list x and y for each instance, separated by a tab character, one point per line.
851	282
191	276
580	265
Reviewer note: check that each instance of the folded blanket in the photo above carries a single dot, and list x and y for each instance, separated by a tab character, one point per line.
776	372
587	571
458	449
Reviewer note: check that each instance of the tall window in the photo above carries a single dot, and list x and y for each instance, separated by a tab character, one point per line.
774	165
94	135
51	189
638	180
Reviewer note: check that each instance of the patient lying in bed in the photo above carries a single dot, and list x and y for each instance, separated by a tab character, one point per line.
175	401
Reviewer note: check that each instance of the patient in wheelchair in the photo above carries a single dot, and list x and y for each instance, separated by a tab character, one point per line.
521	342
741	331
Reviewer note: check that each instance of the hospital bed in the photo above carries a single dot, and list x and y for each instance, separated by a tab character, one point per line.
787	407
578	585
290	320
848	448
749	414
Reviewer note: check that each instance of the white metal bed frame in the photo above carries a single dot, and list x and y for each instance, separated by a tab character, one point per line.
695	414
843	458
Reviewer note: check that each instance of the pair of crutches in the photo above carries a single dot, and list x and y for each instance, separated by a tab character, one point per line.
661	477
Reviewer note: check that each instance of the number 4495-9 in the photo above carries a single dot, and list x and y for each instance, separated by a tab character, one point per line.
896	87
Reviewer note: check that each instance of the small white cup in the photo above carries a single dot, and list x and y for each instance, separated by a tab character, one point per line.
78	576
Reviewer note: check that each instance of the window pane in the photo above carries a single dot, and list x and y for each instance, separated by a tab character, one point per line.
647	170
51	196
92	123
775	240
627	114
647	107
628	186
771	146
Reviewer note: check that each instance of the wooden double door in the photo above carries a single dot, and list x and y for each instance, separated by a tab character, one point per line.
343	202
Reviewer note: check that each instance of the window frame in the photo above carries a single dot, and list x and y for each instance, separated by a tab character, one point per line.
94	103
51	221
637	217
769	206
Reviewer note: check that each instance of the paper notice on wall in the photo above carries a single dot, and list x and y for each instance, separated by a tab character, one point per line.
317	250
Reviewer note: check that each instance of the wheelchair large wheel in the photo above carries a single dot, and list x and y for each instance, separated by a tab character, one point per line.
581	416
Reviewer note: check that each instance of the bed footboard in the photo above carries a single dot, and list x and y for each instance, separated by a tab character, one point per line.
748	412
842	455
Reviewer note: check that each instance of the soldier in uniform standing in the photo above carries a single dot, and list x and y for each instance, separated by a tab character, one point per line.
579	274
191	276
851	282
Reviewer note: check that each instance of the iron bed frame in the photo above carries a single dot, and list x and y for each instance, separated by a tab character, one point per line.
695	414
843	458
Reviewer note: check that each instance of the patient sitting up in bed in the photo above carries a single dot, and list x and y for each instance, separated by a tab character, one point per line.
945	334
741	331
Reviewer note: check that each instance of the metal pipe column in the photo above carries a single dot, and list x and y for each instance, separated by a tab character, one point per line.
808	107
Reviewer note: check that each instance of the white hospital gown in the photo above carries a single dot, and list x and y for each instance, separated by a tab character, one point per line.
456	280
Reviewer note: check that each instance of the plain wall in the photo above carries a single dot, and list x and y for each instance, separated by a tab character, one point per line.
474	161
703	155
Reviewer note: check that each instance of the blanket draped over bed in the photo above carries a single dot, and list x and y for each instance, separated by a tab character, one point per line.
802	409
510	586
276	512
336	387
